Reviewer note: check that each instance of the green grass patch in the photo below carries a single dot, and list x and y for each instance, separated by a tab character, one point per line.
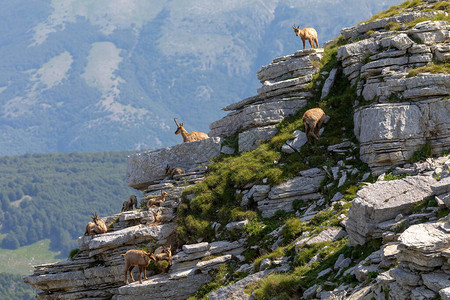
395	10
437	17
225	274
73	253
21	260
443	68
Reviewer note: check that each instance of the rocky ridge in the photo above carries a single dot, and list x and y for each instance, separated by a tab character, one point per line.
408	215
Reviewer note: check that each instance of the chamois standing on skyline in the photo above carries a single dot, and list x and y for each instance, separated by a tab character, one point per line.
309	34
96	227
313	119
189	136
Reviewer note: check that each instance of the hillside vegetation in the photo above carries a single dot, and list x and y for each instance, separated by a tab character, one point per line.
51	196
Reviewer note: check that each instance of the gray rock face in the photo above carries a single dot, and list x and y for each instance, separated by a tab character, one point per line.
328	235
354	32
147	167
281	197
256	115
379	65
328	83
252	138
284	90
390	133
381	202
298	64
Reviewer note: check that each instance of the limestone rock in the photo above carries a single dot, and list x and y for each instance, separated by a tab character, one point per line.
383	201
252	138
146	167
303	187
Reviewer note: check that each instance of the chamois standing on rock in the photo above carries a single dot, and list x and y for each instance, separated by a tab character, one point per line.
175	171
157	200
309	34
96	227
165	255
189	136
139	258
313	119
128	205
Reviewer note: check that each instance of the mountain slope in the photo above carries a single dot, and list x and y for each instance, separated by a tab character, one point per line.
109	75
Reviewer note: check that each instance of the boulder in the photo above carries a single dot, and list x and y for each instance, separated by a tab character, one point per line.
147	167
381	202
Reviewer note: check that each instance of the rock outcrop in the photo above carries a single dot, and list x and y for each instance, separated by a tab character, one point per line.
406	110
146	168
285	90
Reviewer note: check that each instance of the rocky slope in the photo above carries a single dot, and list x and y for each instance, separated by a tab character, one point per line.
334	229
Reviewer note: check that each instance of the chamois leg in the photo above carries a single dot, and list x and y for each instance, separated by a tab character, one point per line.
311	43
307	133
140	274
319	124
313	133
128	269
317	42
303	44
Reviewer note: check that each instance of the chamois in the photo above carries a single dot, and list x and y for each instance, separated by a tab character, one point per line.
189	136
96	227
313	119
175	171
157	200
160	219
128	205
166	255
138	258
309	34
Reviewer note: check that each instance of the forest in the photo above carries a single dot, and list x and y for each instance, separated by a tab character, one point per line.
12	288
53	195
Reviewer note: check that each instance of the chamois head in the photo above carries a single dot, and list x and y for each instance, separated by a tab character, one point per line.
94	217
179	127
296	29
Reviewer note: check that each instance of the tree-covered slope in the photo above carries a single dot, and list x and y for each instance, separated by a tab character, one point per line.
112	75
53	195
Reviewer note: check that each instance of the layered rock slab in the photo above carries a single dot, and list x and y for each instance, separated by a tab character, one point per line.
146	168
381	202
390	133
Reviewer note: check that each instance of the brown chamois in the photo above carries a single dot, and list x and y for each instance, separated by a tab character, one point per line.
157	200
189	136
309	34
313	119
128	205
166	255
138	258
96	227
174	171
160	219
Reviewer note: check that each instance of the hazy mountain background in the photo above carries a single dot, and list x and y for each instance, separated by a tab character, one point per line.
100	75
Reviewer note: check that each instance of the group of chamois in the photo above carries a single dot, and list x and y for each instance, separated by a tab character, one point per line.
312	119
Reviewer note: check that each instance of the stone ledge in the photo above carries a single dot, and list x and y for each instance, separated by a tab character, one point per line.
145	168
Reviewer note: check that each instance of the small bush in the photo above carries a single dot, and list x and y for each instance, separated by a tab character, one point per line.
292	228
421	154
73	253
